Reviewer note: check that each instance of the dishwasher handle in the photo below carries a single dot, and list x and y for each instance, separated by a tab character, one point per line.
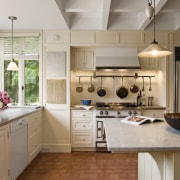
18	124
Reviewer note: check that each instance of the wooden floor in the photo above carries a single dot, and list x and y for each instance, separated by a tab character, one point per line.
82	166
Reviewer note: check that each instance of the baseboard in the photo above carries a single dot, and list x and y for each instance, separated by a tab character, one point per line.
56	148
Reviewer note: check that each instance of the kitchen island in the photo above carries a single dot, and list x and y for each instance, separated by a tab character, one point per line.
157	144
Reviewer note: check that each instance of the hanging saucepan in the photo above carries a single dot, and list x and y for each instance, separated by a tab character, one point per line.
143	83
122	92
91	86
101	91
79	88
134	88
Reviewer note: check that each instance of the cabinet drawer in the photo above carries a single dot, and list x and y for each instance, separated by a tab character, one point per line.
82	125
82	114
82	138
153	113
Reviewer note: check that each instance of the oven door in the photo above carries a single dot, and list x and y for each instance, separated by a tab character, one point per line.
101	143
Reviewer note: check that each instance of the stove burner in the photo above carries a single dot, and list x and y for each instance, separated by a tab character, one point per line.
116	104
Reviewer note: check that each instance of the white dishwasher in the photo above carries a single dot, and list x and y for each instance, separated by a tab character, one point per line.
18	147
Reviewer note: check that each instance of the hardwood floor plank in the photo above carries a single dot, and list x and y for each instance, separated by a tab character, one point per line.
82	166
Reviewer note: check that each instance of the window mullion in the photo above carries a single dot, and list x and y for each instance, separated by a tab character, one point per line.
21	82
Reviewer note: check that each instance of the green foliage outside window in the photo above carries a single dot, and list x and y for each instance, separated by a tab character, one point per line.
31	82
11	82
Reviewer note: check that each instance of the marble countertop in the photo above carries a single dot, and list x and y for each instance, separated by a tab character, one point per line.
12	113
158	136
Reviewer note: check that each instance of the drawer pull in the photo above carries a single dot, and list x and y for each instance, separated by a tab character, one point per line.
83	115
83	139
84	125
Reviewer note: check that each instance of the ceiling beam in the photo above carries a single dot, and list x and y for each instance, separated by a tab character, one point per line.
145	21
66	19
105	14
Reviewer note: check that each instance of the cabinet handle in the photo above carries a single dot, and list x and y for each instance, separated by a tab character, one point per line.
84	125
83	115
83	139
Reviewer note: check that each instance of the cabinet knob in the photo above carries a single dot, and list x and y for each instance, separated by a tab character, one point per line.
83	115
83	139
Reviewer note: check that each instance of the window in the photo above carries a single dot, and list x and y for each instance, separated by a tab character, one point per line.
22	85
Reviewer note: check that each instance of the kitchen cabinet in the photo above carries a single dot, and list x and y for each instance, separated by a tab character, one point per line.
4	153
82	37
82	127
58	37
34	134
56	90
83	59
153	113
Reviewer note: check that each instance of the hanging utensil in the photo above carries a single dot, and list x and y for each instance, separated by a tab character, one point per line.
101	91
143	83
150	88
91	86
122	92
134	88
79	88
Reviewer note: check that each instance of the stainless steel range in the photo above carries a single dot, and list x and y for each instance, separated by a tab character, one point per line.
110	111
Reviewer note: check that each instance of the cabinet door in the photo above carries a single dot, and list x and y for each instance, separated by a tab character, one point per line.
83	59
79	57
34	134
4	152
89	60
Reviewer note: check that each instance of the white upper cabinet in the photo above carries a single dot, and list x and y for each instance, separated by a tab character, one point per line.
83	59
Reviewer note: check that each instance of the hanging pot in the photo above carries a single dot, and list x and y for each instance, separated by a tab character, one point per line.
143	83
91	86
134	88
150	88
122	92
101	91
79	88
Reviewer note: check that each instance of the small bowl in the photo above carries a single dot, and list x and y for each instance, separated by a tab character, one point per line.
173	119
86	101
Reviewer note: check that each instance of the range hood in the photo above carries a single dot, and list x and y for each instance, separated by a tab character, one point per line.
116	58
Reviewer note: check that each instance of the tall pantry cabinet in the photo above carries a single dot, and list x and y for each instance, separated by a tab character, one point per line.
56	123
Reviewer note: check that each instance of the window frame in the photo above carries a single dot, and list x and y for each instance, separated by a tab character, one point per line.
21	81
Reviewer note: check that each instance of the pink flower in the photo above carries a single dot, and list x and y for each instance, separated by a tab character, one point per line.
4	98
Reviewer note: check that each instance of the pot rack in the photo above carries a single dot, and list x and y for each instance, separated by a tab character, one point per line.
116	76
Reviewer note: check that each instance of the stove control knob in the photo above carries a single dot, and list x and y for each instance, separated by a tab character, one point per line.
106	112
118	113
101	112
130	113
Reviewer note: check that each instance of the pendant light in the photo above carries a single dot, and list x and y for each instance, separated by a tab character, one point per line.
149	10
12	65
153	50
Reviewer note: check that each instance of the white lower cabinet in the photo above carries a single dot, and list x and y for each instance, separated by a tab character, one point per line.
82	128
153	113
34	134
4	153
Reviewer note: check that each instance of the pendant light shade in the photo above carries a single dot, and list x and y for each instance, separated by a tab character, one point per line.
154	49
12	65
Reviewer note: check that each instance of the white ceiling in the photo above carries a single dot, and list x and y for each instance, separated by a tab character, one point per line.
88	14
